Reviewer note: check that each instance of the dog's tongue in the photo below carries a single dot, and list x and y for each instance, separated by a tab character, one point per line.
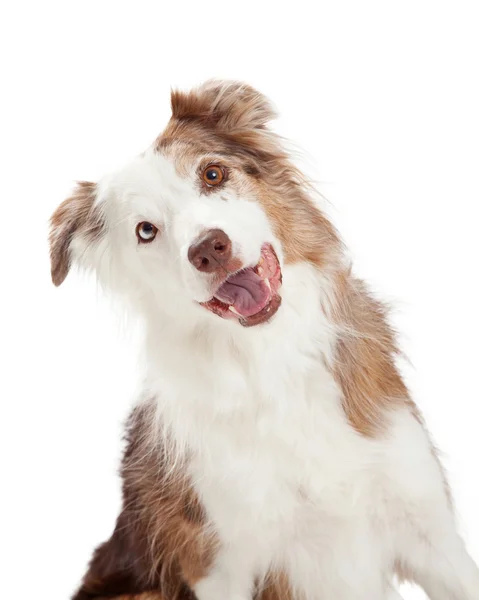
245	291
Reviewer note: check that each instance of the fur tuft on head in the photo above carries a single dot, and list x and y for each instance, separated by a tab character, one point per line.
228	106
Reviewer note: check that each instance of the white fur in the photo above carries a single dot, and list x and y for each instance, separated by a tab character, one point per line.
286	482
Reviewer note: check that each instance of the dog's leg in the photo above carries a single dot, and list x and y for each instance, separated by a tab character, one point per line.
433	555
114	570
118	571
443	568
421	523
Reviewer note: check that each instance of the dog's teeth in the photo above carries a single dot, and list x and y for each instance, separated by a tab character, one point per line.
260	271
268	284
234	311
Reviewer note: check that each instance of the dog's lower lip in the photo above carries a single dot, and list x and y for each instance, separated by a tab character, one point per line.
262	282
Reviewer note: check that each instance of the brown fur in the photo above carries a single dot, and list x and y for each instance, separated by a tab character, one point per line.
160	542
145	596
276	587
364	364
226	106
75	215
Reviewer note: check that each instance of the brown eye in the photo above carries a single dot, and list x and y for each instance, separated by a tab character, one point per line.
146	232
213	175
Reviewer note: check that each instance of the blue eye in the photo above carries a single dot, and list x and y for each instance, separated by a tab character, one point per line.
146	232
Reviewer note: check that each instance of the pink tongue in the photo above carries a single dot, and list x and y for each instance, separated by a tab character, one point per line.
246	291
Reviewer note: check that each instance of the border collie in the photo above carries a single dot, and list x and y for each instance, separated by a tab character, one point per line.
274	452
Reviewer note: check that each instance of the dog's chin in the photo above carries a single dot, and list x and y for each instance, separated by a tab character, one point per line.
250	296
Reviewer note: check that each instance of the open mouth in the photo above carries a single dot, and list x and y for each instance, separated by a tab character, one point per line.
250	295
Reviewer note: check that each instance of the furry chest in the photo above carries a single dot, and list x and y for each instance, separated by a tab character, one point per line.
276	472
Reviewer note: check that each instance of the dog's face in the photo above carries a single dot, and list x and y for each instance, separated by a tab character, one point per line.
189	233
197	226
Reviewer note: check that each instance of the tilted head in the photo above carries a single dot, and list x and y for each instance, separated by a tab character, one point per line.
201	225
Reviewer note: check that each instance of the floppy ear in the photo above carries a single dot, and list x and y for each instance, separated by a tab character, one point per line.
226	105
76	214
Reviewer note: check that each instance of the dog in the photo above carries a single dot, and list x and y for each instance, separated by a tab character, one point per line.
274	452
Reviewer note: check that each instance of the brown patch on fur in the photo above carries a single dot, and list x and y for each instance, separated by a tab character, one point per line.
75	215
160	543
366	349
146	596
276	587
226	106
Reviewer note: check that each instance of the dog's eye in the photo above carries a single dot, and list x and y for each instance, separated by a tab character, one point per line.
146	232
213	175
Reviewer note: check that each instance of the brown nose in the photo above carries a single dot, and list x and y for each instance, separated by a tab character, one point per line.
211	252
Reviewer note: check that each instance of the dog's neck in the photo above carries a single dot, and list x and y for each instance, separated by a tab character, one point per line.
216	358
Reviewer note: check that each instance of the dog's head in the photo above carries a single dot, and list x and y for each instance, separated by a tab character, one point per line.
201	224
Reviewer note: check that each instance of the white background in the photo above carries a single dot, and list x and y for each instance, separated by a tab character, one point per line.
382	97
